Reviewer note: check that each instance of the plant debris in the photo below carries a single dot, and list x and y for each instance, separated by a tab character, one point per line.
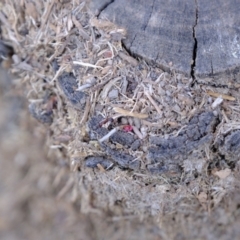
120	114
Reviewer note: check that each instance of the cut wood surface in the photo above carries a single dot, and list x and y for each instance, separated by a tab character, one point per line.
198	38
218	39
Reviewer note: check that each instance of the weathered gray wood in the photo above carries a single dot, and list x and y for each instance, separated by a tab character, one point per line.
198	38
98	5
159	31
218	38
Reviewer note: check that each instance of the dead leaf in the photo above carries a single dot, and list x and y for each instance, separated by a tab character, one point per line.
222	174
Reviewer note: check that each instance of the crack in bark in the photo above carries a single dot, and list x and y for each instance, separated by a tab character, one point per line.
128	50
194	55
156	58
211	67
132	43
104	7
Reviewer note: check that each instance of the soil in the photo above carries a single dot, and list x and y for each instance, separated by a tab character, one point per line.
32	181
97	161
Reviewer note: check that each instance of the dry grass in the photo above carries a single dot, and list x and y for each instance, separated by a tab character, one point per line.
120	87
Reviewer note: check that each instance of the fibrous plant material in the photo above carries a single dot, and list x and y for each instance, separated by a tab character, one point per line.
115	113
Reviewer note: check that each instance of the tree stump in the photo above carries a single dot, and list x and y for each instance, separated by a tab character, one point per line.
198	38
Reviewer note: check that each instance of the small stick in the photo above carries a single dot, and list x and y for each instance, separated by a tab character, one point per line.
144	131
124	86
107	136
157	125
137	132
86	112
223	96
93	100
128	113
159	78
81	30
217	102
105	59
89	83
100	85
153	102
84	86
127	58
101	168
45	17
108	86
86	64
59	71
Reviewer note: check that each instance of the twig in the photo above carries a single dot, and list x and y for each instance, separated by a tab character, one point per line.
100	85
155	125
159	78
217	102
59	71
127	58
108	87
107	136
86	64
82	32
224	96
45	17
153	102
137	132
89	83
84	86
105	59
86	112
128	113
101	168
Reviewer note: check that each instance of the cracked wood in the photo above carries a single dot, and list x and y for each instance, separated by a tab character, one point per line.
198	38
